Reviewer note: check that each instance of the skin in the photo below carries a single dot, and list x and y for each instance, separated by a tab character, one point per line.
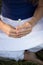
25	28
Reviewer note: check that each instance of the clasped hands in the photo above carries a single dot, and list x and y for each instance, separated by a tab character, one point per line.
19	31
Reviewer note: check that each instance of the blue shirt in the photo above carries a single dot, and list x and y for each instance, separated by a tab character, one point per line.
17	9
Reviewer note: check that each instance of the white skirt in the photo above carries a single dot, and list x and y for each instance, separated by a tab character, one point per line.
14	47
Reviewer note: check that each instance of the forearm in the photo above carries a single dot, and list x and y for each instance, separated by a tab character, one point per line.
1	25
38	13
37	16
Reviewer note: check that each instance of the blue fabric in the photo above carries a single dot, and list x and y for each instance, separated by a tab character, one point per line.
17	9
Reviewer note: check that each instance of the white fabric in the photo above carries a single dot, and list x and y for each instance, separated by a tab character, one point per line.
12	47
35	38
16	55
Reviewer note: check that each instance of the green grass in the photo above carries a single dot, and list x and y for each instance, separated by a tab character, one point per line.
40	55
0	5
16	63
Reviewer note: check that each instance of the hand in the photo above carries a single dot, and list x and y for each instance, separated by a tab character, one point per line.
24	29
8	29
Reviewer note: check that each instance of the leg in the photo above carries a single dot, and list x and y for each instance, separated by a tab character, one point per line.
30	56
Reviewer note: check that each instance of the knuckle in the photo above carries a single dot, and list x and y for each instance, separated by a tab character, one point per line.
8	33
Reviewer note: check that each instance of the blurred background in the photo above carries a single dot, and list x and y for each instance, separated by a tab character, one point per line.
0	5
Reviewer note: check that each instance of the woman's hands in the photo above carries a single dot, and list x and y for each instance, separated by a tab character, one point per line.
17	32
8	29
24	29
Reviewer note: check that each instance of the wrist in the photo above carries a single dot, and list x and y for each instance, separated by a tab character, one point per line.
1	25
33	21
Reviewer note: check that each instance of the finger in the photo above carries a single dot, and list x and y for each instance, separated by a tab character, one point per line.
27	28
14	36
23	34
24	26
24	31
20	35
21	30
13	31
